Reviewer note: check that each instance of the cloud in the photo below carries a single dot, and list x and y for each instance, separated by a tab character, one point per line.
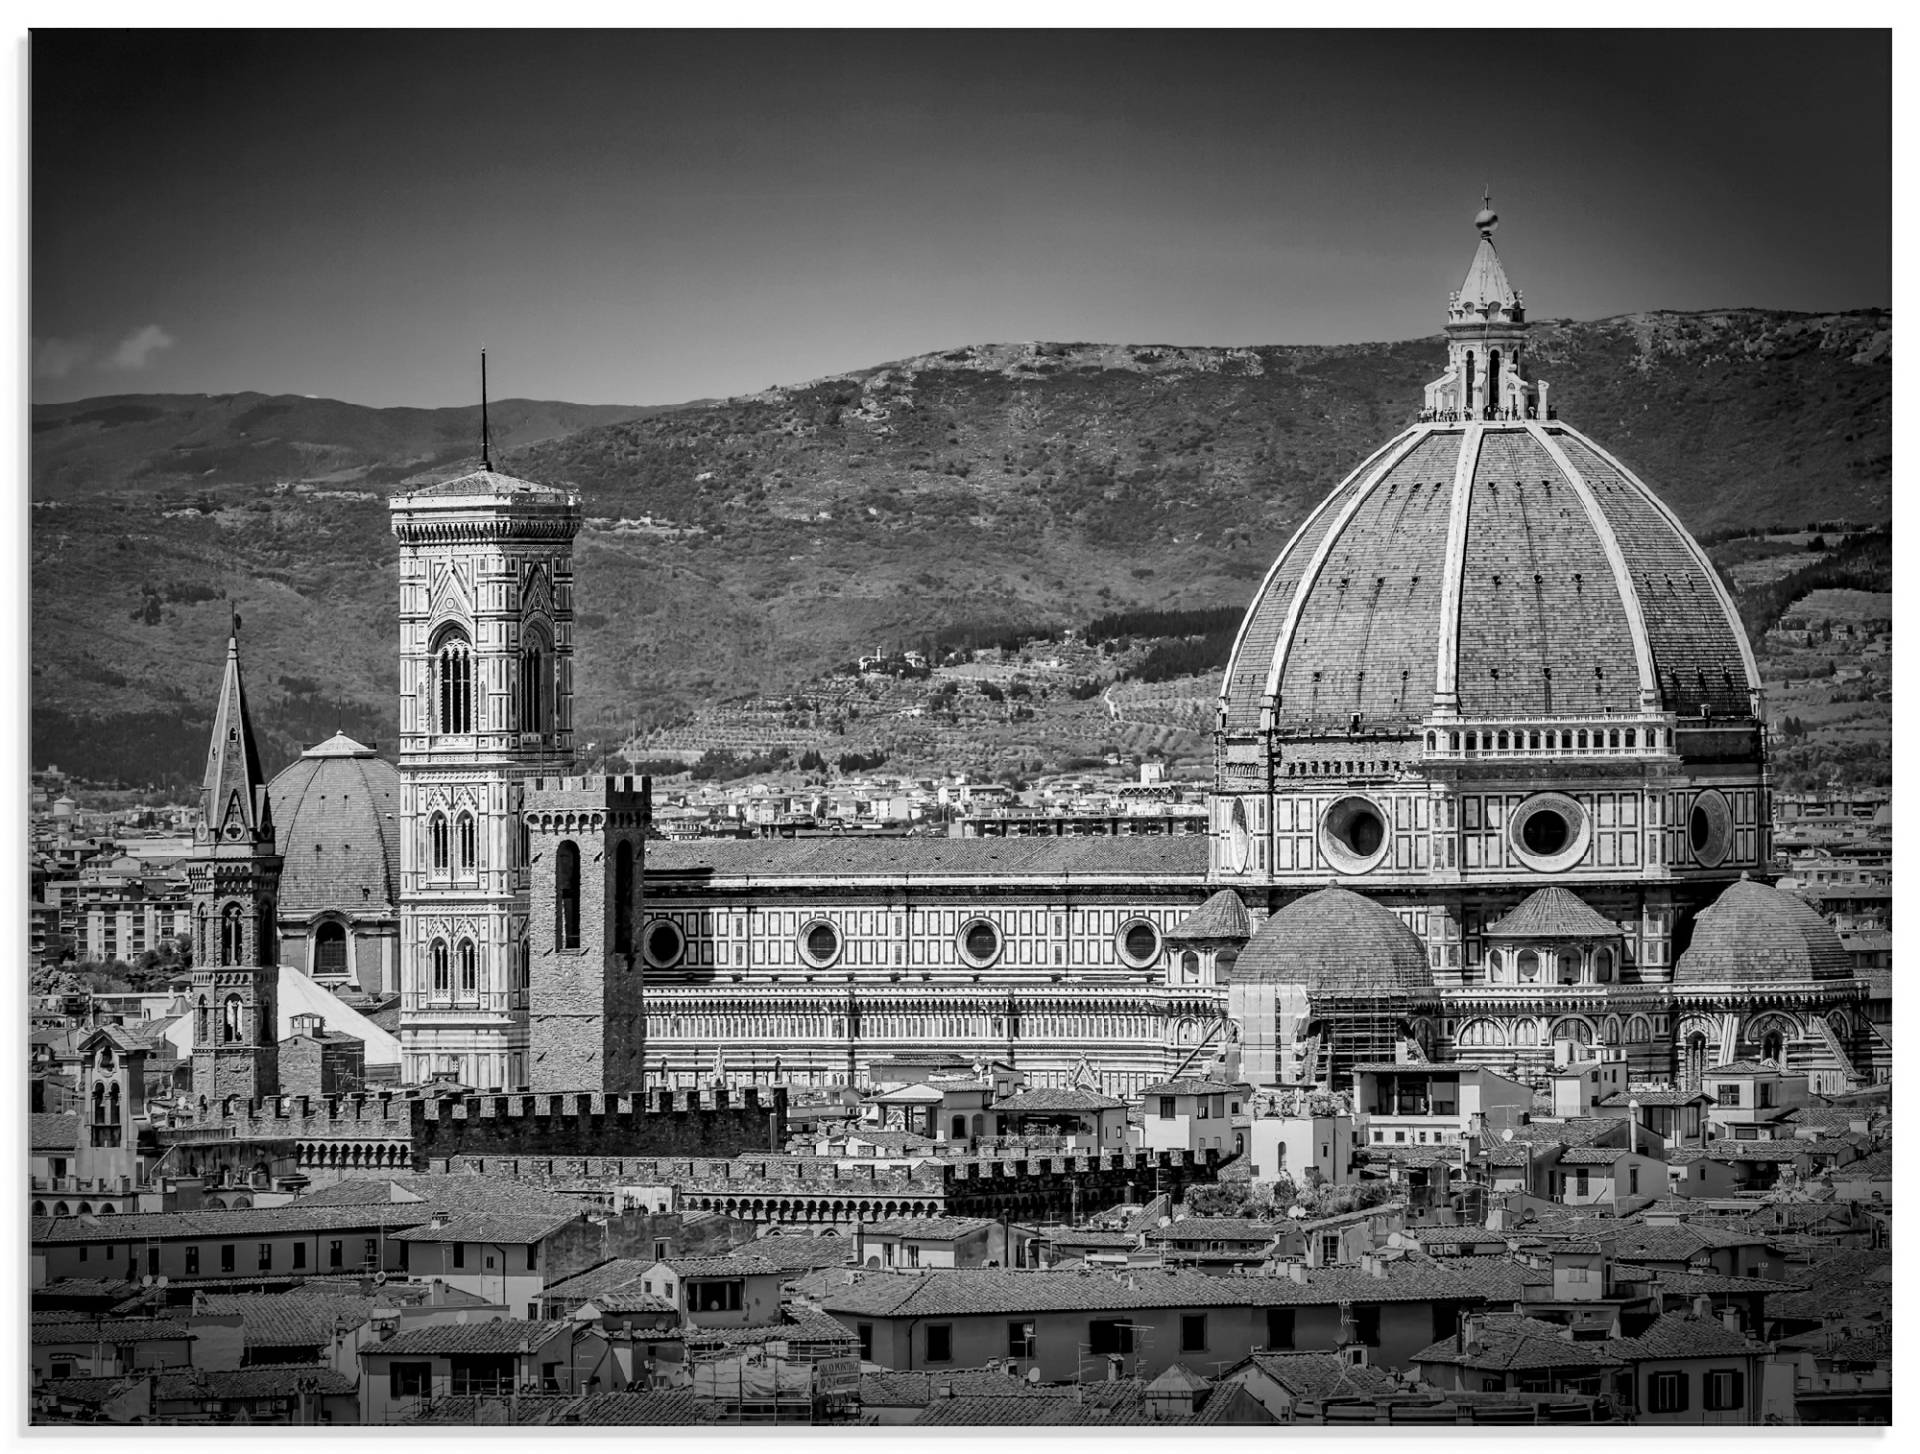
55	358
139	346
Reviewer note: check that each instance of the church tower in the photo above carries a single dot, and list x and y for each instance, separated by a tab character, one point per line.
486	702
234	877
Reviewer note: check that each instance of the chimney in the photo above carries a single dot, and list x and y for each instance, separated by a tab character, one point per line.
1703	1307
1297	1271
1730	1315
441	1216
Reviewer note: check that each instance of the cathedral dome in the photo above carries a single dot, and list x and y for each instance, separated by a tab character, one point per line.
336	809
1514	570
1487	564
1337	942
1753	933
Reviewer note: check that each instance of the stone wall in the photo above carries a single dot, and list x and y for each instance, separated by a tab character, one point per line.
585	1005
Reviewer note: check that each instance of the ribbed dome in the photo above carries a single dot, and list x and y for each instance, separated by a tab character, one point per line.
1337	942
336	808
1515	564
1756	933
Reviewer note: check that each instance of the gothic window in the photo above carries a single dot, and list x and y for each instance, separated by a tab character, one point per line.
469	974
453	681
536	695
201	1029
469	849
1638	1029
232	934
566	894
623	898
437	841
232	1013
441	980
330	951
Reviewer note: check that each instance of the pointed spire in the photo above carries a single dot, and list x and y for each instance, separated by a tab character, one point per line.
234	789
1486	295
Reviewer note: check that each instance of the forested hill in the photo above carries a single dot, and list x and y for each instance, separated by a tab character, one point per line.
744	546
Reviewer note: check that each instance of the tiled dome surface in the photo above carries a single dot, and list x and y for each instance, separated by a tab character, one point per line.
1553	913
1544	629
1224	916
336	808
1335	941
1756	933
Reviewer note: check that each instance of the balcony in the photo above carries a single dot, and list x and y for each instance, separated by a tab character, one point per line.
1512	739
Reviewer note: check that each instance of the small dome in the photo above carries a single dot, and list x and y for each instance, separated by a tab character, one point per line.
336	807
1223	916
1756	933
1337	942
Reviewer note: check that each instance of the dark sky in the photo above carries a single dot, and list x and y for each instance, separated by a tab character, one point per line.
644	217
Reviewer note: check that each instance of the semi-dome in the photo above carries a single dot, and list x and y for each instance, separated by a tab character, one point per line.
1511	570
1754	933
336	807
1336	942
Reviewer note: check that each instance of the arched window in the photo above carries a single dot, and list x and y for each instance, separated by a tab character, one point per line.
201	1029
1189	968
1569	967
441	980
566	894
469	970
623	898
1493	377
437	842
469	849
232	1016
1773	1047
99	1104
232	934
330	950
1470	377
113	1105
1529	966
453	682
1602	966
536	693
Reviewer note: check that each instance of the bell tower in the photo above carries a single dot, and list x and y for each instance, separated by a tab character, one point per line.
486	702
234	876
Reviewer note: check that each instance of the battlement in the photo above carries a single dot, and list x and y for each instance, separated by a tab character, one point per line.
718	1122
574	794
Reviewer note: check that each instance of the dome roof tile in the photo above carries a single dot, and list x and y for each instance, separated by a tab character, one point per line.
1553	913
1756	933
1337	942
337	809
1224	916
1573	583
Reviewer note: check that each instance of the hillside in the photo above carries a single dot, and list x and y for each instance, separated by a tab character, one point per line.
740	548
151	440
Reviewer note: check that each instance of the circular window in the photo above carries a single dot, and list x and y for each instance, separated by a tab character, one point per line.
1710	828
1549	832
820	943
1139	942
662	944
1353	834
980	941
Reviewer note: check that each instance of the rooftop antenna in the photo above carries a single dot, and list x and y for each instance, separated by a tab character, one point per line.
486	458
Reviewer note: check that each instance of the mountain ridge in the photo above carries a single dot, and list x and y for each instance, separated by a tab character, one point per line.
742	546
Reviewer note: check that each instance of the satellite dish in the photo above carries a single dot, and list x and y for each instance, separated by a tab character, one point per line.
1507	1135
1033	1374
